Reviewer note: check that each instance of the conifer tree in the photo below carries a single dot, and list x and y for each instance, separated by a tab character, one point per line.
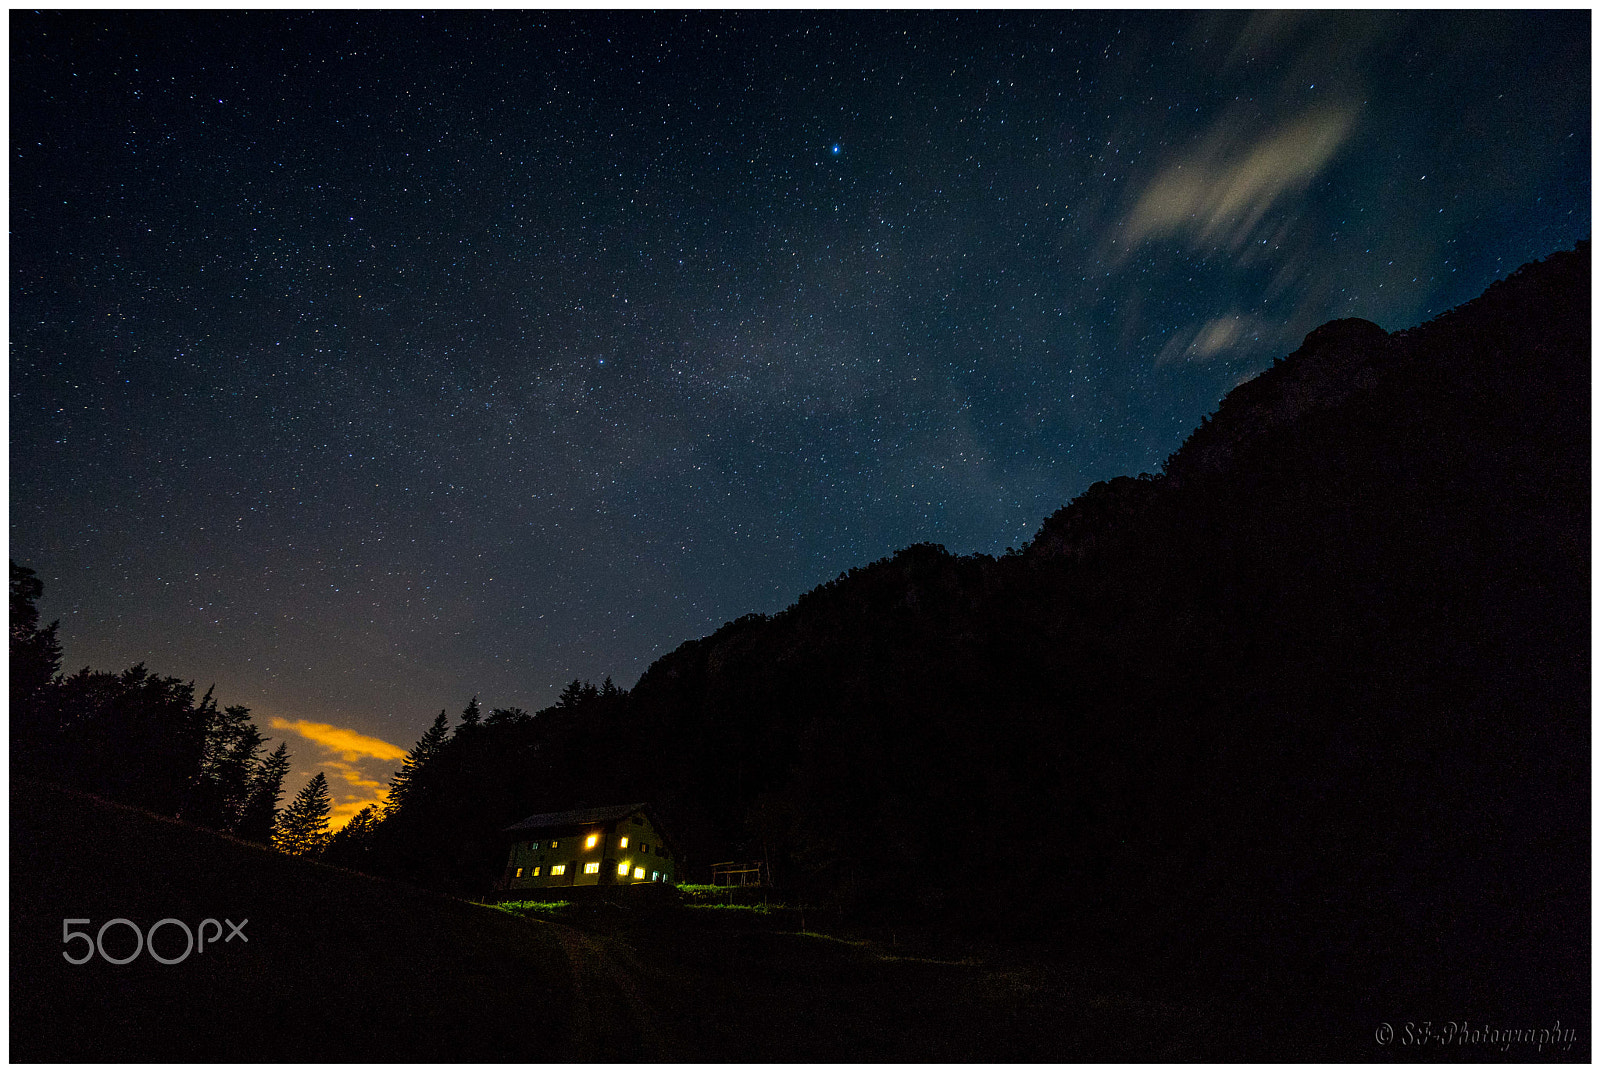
408	778
222	787
502	716
260	813
352	843
302	828
571	695
238	767
134	737
35	662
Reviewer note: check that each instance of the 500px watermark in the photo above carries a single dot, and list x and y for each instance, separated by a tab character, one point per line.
1459	1033
145	941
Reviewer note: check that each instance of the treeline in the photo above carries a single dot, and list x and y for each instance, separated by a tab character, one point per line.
142	739
458	786
136	737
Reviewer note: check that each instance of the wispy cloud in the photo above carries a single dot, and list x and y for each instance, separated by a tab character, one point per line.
1218	194
357	765
1218	334
1215	337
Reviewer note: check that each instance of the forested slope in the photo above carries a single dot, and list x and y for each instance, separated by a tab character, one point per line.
1314	700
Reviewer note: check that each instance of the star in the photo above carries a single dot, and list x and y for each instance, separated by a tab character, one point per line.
577	482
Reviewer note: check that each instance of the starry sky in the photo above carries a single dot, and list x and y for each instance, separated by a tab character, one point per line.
365	362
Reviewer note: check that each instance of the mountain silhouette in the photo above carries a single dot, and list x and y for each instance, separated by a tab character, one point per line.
1306	712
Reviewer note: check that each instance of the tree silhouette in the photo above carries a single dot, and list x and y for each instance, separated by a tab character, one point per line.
408	780
221	788
302	828
506	715
571	694
259	816
352	844
135	737
35	664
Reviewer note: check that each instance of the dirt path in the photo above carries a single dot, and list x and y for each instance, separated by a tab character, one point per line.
711	990
612	1020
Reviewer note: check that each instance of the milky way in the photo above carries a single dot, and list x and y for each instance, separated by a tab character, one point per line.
362	363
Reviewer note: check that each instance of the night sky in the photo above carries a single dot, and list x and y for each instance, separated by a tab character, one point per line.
361	363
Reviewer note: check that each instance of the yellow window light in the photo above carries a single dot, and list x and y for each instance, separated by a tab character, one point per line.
558	869
590	844
622	869
624	841
638	873
536	869
591	868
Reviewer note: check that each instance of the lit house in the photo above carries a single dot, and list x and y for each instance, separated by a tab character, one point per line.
589	847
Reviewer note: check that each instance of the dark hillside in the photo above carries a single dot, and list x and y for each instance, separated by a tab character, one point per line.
1309	710
1366	612
1378	522
331	966
334	967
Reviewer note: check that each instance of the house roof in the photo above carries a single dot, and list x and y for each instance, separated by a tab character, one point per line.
579	816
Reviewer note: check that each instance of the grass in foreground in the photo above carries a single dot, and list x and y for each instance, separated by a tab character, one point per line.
526	908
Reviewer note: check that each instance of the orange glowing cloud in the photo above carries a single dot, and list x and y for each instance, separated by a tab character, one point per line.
357	765
351	745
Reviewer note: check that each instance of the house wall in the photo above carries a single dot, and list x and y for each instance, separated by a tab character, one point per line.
535	852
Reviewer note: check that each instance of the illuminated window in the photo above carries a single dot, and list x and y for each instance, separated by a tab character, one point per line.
519	873
638	873
558	869
554	844
535	845
644	847
622	869
536	869
592	840
654	876
624	841
591	868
